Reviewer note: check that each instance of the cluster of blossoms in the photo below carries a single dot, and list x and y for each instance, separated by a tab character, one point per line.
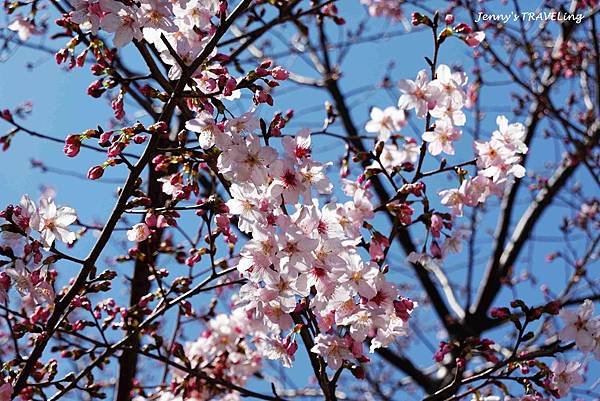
25	272
223	351
443	99
179	31
148	20
386	124
304	272
497	160
302	258
384	8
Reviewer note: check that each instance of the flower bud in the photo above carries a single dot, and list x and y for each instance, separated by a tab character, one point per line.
418	19
96	89
159	127
95	172
6	115
280	74
475	38
463	28
72	145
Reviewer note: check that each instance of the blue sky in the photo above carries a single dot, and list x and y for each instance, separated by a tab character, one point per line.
61	107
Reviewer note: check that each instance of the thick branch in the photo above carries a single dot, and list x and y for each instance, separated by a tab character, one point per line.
530	218
405	365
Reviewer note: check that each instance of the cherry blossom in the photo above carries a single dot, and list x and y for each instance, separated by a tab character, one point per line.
280	350
88	14
122	21
333	349
566	375
450	86
23	27
385	122
32	286
475	38
441	138
384	8
580	326
138	232
52	222
206	128
360	277
511	135
6	391
417	94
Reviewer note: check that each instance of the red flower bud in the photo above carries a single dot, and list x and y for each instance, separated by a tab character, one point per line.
463	28
6	115
72	145
95	172
96	89
279	73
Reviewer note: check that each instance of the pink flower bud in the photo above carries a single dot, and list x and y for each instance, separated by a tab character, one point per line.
463	28
115	149
105	138
80	60
437	223
474	39
500	313
161	221
95	172
98	69
96	89
280	74
4	281
150	220
261	72
266	64
117	106
6	115
435	250
72	145
61	56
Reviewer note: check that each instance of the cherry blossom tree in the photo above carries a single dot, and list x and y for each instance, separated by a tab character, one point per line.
433	235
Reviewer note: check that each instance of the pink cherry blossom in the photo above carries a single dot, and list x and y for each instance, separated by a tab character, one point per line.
475	38
138	232
333	349
122	21
207	129
52	222
442	137
6	391
23	27
566	375
417	94
580	326
385	122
